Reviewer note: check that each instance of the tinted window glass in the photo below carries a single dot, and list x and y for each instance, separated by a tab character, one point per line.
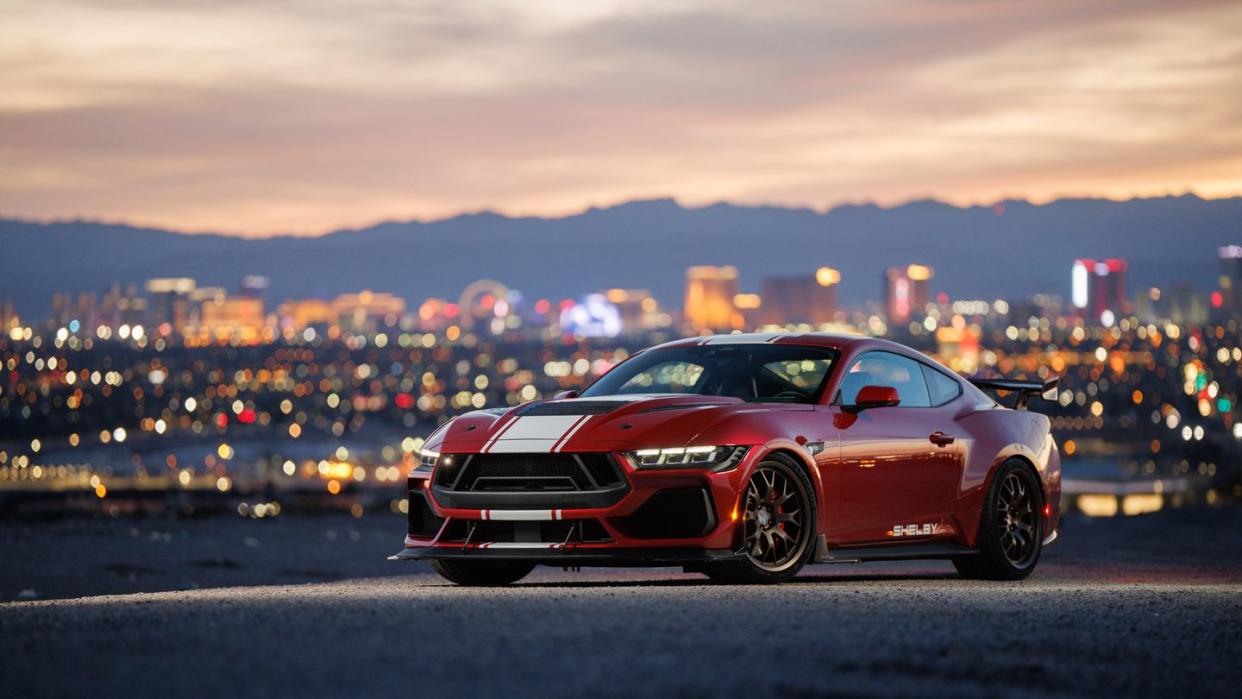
752	372
806	374
665	377
941	388
886	369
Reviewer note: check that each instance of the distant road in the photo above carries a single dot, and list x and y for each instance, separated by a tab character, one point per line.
1141	607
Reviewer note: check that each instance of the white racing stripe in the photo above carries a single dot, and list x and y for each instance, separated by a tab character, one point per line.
743	339
488	445
522	515
560	444
519	545
533	434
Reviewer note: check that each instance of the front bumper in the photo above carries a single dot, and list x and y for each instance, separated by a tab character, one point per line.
655	517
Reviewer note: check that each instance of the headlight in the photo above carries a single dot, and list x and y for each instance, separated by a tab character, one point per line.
427	460
713	458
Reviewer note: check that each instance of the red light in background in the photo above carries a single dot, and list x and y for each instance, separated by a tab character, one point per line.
246	417
1218	299
450	310
222	420
542	306
567	304
942	298
405	401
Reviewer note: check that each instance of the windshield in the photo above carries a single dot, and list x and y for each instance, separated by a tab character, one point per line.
752	372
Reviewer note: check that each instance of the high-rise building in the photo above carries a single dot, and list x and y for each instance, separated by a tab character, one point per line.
368	310
170	302
232	318
255	286
638	308
1181	304
298	315
8	317
1186	306
810	298
907	292
920	277
1098	287
709	298
1231	278
123	307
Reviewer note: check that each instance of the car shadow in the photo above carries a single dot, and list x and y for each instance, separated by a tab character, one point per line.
705	582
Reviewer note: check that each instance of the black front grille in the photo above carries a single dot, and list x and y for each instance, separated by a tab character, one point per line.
530	472
577	480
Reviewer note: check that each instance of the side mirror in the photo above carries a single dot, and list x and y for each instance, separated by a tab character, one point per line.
875	397
562	395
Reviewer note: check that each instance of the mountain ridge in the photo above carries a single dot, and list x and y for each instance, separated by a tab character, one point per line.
1011	248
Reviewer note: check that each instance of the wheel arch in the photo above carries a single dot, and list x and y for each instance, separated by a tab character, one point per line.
799	456
998	464
1017	455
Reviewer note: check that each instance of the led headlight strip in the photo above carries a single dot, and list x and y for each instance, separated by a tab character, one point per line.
714	458
427	460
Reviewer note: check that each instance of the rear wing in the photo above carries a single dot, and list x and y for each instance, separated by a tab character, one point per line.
1022	390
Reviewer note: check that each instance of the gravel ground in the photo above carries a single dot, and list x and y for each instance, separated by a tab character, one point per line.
1142	606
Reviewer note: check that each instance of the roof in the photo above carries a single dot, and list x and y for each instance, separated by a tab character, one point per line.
833	340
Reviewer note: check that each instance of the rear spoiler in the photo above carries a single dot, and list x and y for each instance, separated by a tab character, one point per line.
1023	390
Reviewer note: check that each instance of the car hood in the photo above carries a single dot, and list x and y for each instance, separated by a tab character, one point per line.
606	423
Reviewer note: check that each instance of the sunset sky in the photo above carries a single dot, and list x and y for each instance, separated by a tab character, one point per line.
276	116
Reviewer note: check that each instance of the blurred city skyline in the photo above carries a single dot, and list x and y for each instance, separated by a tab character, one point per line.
265	118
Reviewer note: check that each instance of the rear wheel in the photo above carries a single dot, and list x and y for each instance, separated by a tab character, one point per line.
1011	530
778	526
482	573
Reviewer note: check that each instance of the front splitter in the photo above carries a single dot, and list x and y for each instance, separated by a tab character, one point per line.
570	556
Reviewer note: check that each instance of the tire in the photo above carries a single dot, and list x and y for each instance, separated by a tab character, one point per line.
482	573
772	553
1012	527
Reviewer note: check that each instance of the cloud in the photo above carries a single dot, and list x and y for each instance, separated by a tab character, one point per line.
279	116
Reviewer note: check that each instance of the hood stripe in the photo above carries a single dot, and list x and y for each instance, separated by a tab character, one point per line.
488	445
533	434
560	443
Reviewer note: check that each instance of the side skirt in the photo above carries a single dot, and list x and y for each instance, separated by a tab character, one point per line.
892	552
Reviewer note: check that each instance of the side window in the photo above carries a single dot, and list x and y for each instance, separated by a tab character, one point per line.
886	369
941	388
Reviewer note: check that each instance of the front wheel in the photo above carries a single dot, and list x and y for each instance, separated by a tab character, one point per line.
482	573
1011	530
778	526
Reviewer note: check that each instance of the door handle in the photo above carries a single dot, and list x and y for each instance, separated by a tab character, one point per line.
941	439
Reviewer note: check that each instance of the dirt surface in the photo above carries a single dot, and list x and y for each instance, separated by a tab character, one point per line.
1142	606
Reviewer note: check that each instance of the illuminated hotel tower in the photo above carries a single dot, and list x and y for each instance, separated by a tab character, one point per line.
1097	286
1231	278
709	298
907	291
810	298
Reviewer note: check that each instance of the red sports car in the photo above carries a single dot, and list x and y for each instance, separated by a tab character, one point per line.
744	457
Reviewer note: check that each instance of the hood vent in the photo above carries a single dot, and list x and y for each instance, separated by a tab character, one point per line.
576	407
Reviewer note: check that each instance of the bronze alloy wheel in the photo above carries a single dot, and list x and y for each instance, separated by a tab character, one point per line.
1011	528
1016	520
775	525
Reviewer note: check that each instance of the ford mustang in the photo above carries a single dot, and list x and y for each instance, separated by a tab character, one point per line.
745	457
